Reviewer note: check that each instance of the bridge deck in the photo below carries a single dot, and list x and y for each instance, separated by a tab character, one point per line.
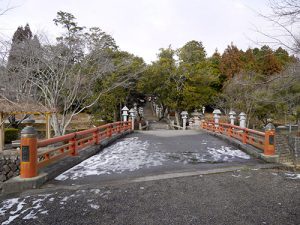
156	152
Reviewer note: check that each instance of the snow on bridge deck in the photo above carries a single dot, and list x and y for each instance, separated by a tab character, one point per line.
156	152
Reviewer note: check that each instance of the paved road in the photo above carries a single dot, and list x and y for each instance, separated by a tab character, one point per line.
240	197
159	177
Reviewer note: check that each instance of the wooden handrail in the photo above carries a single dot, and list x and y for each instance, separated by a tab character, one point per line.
258	139
66	145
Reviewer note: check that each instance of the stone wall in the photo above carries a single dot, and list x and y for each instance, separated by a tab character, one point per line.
294	144
9	165
288	148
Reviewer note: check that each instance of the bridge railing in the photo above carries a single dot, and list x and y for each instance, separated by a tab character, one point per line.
37	154
261	140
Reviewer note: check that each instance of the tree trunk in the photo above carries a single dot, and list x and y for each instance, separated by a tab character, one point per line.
56	125
177	118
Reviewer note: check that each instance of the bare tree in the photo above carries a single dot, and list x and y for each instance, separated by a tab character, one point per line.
263	97
65	76
285	19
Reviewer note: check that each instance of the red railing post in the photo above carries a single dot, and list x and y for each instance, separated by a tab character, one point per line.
73	147
119	127
245	136
96	137
109	130
229	132
28	165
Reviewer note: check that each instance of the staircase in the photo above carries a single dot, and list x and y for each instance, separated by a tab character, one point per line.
154	123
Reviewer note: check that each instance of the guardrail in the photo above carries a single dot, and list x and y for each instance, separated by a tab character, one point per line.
261	140
36	154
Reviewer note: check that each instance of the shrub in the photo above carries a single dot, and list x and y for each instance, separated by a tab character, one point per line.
11	134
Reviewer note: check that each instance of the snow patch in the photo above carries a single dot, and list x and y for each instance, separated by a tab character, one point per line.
128	155
93	206
14	207
292	176
226	153
223	154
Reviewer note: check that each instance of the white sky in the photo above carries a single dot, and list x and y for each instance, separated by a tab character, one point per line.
143	26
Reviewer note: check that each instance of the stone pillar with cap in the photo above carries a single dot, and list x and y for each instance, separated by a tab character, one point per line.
125	113
269	146
184	116
217	116
28	152
242	119
232	117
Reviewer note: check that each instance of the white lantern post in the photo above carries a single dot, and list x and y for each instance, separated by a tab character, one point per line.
184	115
217	116
157	111
196	119
242	120
125	113
232	117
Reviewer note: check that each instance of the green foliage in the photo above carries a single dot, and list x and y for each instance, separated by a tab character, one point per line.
11	134
108	107
186	84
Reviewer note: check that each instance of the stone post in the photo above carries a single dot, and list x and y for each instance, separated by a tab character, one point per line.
157	111
242	120
184	115
125	113
232	117
132	116
154	108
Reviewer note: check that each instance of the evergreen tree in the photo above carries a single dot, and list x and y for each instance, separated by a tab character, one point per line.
232	63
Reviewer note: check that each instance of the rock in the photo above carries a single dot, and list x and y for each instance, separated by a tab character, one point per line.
17	162
10	174
6	168
13	167
17	173
3	178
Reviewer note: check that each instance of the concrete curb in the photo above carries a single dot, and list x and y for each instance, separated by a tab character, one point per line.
249	149
18	184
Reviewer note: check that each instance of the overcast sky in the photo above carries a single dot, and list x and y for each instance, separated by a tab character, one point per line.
143	26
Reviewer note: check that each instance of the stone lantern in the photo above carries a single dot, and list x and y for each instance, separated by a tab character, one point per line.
242	120
184	116
203	110
191	122
141	111
157	111
196	118
232	117
217	116
125	113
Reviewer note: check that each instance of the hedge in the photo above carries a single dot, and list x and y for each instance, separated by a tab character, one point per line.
11	134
